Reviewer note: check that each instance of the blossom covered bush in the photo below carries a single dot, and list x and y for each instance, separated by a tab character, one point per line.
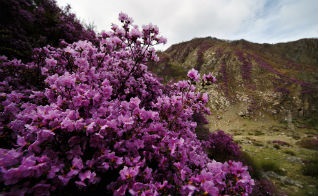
220	146
27	24
99	122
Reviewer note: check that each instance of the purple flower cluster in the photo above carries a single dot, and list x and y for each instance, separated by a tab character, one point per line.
207	79
194	75
102	120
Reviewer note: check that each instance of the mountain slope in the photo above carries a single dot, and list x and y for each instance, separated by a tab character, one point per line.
280	80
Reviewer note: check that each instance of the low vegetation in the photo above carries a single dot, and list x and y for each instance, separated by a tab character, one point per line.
288	162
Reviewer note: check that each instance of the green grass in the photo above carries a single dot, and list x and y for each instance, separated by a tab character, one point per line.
254	167
269	165
290	152
292	161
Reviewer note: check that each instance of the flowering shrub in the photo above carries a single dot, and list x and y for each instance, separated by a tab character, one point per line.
102	122
309	142
221	146
246	69
204	46
264	187
224	76
29	24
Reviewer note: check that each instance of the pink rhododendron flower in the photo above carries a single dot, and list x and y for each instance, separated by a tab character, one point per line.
194	75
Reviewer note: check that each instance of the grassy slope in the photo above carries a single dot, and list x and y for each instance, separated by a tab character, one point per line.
256	137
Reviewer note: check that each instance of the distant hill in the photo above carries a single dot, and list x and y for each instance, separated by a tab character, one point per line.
280	80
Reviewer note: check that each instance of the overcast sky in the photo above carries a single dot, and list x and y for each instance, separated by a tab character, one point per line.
262	21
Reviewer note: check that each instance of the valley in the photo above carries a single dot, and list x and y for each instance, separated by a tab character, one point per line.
266	97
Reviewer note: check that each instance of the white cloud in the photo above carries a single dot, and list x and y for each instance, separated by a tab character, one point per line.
258	21
284	20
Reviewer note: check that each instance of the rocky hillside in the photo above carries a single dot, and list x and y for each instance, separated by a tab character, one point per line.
280	80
